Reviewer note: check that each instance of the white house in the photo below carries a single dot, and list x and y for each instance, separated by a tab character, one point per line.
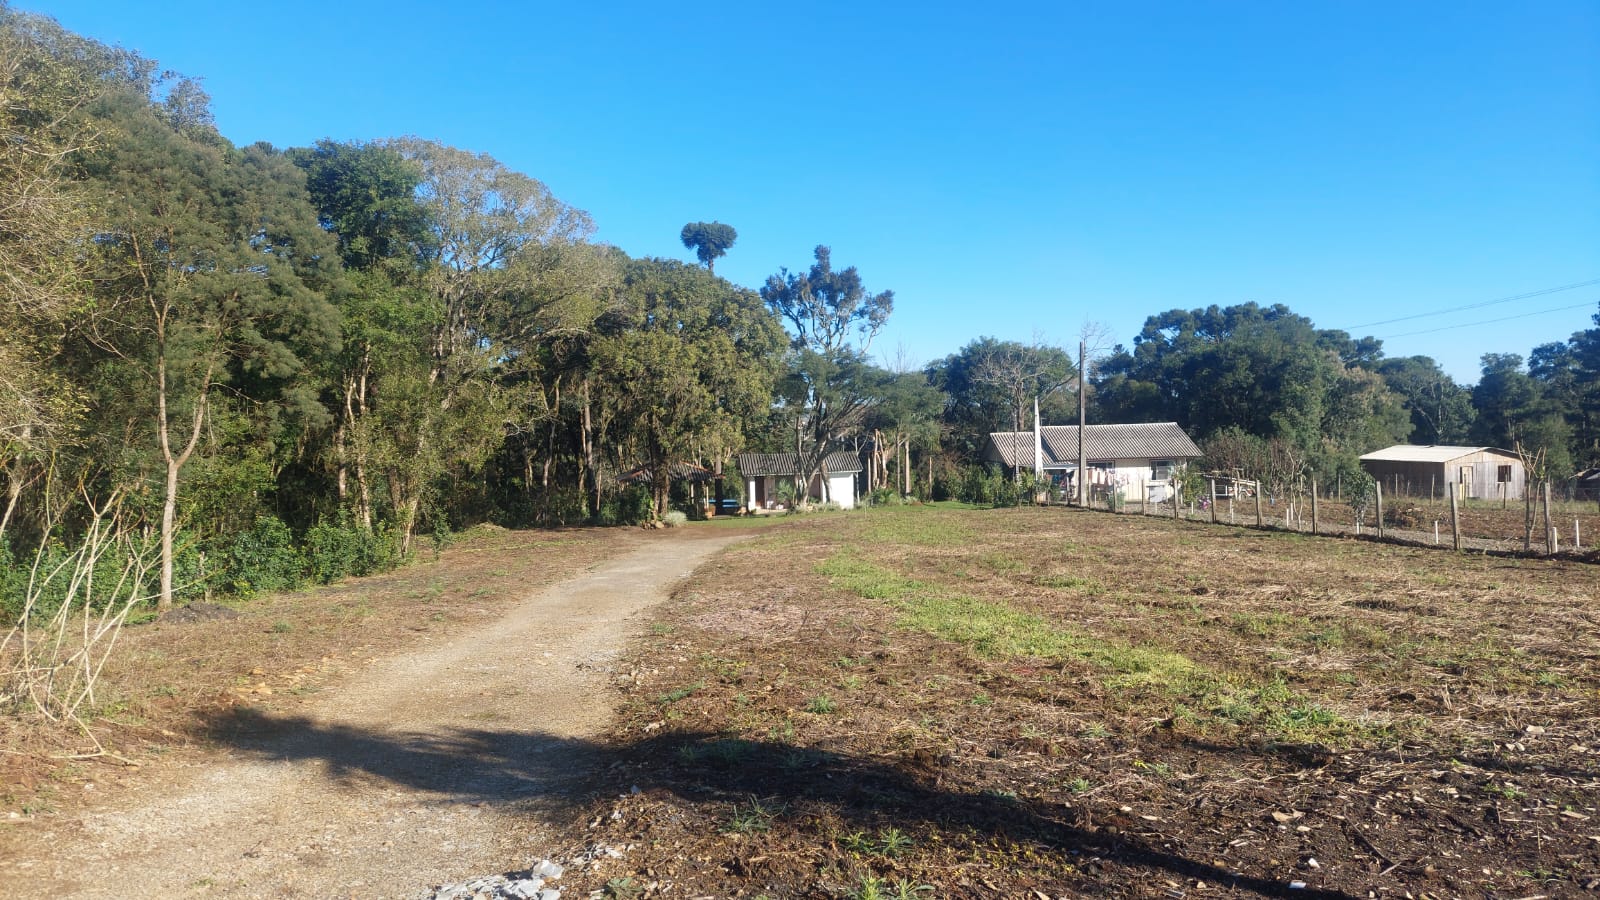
1138	459
764	473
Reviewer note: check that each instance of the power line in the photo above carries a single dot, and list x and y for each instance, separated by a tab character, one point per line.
1491	321
1479	305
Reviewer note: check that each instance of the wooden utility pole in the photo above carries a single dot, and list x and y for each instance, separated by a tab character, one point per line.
1213	483
1259	522
1083	421
1313	504
1378	486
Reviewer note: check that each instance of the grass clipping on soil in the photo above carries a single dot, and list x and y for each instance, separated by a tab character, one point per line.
999	702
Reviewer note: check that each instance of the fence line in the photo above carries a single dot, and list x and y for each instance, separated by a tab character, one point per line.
1546	527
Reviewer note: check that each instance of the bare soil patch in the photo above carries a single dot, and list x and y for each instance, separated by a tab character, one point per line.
401	731
1052	702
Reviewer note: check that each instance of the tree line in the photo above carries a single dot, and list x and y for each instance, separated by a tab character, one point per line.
273	364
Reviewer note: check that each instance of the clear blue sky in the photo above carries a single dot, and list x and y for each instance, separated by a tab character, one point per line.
1012	169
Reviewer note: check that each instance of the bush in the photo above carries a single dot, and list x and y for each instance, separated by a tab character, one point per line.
674	519
885	496
631	506
263	559
339	548
56	566
1006	492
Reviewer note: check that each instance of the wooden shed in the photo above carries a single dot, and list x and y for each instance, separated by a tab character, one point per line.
1474	473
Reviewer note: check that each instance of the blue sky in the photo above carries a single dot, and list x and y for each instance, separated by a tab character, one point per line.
1011	170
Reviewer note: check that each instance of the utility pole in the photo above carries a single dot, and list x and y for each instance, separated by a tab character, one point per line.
1083	417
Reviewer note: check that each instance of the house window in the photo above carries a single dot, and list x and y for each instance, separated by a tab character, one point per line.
1161	469
1505	475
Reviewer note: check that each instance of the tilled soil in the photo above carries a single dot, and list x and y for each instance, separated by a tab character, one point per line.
425	767
1055	703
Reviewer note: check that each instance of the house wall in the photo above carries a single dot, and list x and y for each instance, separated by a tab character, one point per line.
763	490
1136	477
1428	479
842	490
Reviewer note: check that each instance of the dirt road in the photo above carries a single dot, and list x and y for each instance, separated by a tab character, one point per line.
426	768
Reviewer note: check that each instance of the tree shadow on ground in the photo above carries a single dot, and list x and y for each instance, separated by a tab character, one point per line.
508	767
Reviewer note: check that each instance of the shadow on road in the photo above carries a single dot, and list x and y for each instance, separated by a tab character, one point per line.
508	767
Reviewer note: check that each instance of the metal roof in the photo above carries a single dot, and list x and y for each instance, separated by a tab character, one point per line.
1433	453
754	465
1147	440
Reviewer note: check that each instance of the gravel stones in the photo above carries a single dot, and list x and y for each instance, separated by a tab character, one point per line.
528	884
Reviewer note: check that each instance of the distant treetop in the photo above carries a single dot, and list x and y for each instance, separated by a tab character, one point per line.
708	240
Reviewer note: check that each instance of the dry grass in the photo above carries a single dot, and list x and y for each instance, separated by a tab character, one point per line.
167	678
1078	703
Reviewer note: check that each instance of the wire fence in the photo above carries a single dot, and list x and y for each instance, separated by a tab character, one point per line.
1512	524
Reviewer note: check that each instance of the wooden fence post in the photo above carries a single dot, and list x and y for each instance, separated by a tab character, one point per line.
1259	523
1379	488
1213	483
1177	498
1549	527
1313	504
1455	521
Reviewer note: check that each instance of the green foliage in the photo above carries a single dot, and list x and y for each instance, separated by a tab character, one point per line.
630	506
990	385
263	559
709	240
885	496
50	569
674	519
338	548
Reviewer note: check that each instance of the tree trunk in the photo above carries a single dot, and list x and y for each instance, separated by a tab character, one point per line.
591	467
175	464
363	488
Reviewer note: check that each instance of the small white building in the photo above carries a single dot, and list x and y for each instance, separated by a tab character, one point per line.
1139	459
766	473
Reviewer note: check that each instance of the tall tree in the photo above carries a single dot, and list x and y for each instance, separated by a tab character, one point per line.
1441	410
835	320
710	241
496	245
691	372
214	275
47	78
990	385
365	195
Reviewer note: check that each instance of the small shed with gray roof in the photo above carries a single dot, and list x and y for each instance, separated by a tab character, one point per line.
766	474
1415	470
1142	456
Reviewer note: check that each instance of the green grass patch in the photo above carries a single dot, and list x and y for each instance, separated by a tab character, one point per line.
673	696
998	631
914	526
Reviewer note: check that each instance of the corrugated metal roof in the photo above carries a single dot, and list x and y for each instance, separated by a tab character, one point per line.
753	465
1435	453
1148	440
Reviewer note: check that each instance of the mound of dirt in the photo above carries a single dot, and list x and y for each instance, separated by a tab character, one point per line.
198	612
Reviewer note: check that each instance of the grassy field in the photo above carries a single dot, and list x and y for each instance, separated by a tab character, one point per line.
926	701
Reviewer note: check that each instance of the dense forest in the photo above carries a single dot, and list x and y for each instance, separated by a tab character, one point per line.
262	365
